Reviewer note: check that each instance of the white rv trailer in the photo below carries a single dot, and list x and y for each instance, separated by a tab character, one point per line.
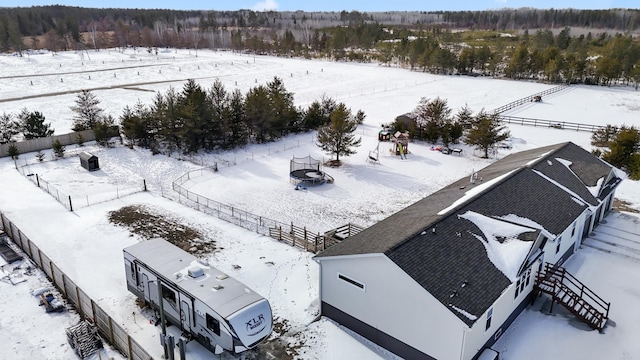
218	311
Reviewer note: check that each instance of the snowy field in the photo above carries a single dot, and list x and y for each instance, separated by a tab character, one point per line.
256	178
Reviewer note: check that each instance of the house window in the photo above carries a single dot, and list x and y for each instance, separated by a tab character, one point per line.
351	281
517	289
169	295
489	315
528	277
573	230
213	324
559	240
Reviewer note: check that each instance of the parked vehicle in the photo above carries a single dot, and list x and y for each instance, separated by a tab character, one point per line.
218	311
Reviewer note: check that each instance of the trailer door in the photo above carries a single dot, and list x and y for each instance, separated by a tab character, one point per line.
185	315
145	283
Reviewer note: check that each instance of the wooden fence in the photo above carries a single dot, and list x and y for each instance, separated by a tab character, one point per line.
549	123
38	144
528	99
86	307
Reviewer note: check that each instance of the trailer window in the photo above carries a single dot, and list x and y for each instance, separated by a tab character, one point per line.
169	295
213	324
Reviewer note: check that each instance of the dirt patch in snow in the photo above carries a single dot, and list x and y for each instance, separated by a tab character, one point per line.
143	221
621	205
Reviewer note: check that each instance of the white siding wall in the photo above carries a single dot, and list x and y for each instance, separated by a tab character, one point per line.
478	335
393	303
567	240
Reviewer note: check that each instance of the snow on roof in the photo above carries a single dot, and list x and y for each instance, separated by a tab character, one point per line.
595	190
467	314
526	222
538	158
573	194
474	191
504	249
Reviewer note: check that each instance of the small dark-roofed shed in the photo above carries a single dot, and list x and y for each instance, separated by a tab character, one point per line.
89	161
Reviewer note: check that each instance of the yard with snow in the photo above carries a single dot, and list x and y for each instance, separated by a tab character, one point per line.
88	247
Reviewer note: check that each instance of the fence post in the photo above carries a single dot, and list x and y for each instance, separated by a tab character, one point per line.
144	184
130	352
38	180
70	204
79	304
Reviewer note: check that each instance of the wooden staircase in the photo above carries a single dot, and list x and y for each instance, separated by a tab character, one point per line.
569	292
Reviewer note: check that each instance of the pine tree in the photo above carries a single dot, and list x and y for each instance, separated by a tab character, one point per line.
8	128
40	156
622	148
33	126
58	149
603	136
13	151
87	112
486	131
337	137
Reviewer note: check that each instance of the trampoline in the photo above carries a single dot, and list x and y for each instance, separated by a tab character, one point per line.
307	170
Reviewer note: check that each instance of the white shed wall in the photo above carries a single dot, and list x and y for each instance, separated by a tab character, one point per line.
392	302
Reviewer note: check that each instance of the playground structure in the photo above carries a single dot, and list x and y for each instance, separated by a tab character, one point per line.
384	134
400	144
307	171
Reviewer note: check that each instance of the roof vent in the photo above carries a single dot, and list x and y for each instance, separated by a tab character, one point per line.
222	276
217	287
195	272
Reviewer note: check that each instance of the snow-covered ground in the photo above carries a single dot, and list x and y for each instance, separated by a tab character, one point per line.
89	249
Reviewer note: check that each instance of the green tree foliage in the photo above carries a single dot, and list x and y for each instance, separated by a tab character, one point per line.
433	119
486	131
32	125
13	151
58	149
603	136
87	112
103	130
338	137
8	128
623	148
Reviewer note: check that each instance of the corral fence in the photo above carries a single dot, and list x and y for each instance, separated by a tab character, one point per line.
86	307
528	99
549	123
288	233
43	143
79	201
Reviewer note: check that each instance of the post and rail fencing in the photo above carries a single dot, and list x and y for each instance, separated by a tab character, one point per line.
528	99
288	233
549	123
86	307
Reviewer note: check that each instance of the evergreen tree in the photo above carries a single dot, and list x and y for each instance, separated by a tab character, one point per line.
236	120
58	148
283	113
87	112
13	151
33	126
622	148
486	131
433	118
102	130
256	107
338	136
8	128
603	136
40	156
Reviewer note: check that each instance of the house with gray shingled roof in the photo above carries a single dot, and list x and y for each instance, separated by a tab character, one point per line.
444	277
